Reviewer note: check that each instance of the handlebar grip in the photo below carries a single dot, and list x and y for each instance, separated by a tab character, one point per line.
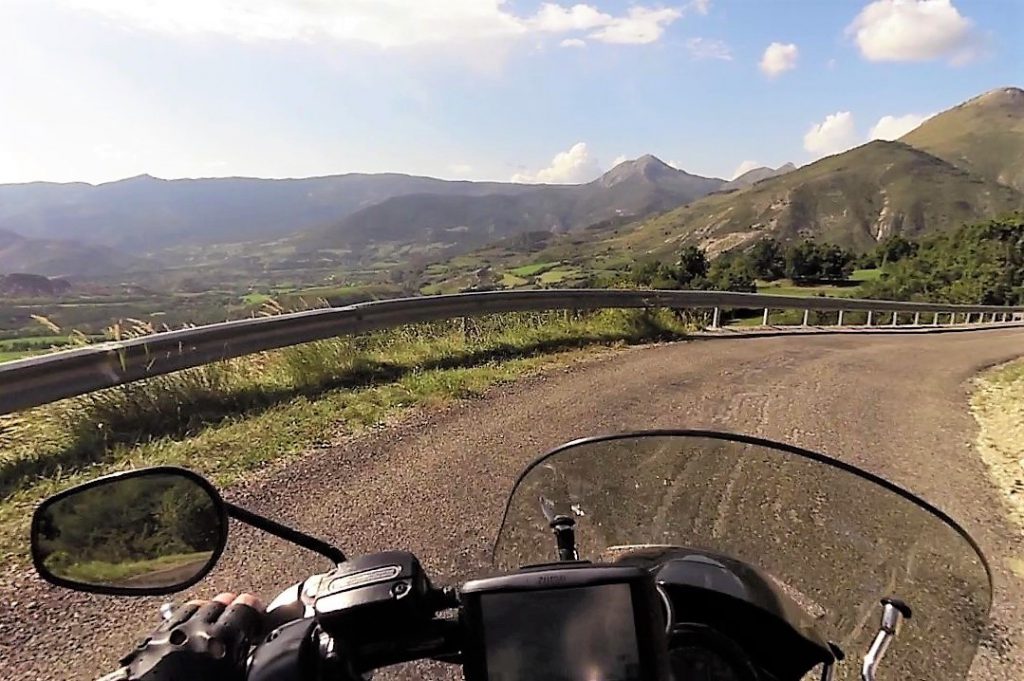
287	653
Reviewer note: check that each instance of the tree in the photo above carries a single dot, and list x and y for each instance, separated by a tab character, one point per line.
732	271
803	261
809	261
767	260
691	266
893	249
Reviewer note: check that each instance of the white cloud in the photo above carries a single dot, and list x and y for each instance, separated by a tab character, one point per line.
744	167
573	42
834	134
708	48
778	58
558	19
461	169
915	30
675	164
699	6
379	23
621	158
894	127
642	25
567	167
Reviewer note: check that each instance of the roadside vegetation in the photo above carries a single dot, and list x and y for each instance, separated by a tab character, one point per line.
228	418
998	406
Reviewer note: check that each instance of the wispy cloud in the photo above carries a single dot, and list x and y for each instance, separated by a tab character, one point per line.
385	24
708	48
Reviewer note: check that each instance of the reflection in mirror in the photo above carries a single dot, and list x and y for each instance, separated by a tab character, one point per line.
156	530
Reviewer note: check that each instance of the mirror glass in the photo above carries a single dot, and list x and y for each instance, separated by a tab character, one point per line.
155	530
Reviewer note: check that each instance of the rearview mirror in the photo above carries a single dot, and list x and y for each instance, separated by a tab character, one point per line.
147	532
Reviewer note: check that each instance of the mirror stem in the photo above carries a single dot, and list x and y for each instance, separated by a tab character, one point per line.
565	537
315	545
893	612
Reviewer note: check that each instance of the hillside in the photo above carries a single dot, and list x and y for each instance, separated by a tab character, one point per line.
59	257
854	199
631	189
984	135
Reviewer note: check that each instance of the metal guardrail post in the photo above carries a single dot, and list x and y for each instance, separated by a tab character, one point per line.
870	315
895	318
716	318
917	319
839	321
807	315
935	319
764	320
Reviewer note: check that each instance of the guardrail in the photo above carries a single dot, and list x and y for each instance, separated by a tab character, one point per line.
38	380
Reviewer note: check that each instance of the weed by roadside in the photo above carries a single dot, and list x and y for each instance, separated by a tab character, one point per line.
230	417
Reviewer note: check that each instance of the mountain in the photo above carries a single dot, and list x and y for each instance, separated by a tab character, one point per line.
984	135
143	214
630	189
31	285
854	199
756	175
59	257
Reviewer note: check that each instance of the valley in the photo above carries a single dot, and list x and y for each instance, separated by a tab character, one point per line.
225	248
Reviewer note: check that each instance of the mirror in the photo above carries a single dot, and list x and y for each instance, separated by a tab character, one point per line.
147	532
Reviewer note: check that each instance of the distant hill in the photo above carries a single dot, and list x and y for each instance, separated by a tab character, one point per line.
756	175
59	257
984	135
144	214
633	188
31	285
854	199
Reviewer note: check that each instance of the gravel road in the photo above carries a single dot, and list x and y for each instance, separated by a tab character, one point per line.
435	482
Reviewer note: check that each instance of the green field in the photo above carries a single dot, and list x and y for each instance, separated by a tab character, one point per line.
534	269
848	289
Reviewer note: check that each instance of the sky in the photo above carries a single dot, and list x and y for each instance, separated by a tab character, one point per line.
98	90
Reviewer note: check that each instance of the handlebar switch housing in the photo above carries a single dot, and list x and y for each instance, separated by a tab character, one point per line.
373	592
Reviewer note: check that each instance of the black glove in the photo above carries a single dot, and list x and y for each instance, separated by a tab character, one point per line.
200	642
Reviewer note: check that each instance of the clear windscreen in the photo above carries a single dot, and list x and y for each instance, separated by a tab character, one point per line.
834	541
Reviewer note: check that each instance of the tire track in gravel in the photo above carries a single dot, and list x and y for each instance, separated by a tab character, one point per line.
435	482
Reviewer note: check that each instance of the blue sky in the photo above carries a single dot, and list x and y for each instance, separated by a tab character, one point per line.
96	90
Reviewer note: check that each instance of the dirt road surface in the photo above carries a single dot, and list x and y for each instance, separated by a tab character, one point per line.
436	482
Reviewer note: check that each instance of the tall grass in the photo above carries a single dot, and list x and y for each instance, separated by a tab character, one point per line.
366	376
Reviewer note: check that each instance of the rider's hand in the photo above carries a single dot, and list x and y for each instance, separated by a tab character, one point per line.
200	640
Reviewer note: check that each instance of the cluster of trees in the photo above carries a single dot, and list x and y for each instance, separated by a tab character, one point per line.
692	271
981	263
768	260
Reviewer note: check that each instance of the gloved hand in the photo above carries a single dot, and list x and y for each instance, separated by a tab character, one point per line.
201	641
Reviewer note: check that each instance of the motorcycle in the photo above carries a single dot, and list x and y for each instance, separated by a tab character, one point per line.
653	555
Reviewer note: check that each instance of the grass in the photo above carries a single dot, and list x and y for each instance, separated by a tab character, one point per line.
255	298
7	356
100	572
509	280
230	418
786	287
534	269
998	405
866	275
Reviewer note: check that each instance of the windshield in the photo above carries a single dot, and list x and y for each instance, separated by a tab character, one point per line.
835	540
